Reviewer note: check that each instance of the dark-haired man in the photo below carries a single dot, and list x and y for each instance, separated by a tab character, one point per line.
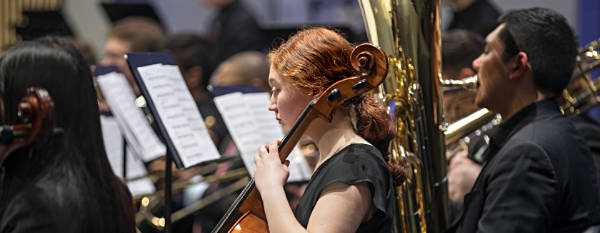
538	174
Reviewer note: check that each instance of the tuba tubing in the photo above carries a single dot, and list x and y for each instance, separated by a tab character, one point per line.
409	33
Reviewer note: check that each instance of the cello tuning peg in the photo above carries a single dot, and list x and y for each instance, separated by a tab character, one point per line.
6	135
360	85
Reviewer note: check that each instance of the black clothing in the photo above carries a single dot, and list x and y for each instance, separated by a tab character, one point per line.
352	165
539	177
480	17
38	210
478	145
235	31
590	129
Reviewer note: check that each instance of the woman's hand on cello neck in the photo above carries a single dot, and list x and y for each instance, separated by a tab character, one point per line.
269	172
269	176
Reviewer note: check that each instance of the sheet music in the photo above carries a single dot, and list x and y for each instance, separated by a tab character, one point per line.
299	169
242	128
179	113
134	126
113	144
251	125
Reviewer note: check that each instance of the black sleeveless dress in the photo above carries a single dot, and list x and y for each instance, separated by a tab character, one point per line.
352	165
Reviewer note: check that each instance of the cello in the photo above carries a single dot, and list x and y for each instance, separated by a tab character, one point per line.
247	213
36	111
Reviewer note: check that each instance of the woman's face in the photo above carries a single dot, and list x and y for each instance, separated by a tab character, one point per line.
287	101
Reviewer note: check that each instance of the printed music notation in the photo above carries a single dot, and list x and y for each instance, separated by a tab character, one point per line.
179	114
251	125
133	124
113	144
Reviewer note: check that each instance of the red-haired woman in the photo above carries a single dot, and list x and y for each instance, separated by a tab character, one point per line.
351	189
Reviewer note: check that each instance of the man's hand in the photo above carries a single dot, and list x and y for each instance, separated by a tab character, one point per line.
462	174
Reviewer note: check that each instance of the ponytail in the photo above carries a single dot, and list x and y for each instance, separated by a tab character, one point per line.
373	123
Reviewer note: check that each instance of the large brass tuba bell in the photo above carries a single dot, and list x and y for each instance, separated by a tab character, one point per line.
409	33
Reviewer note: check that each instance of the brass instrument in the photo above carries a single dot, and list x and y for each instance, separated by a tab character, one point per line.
458	131
179	186
469	124
469	83
580	95
150	202
408	31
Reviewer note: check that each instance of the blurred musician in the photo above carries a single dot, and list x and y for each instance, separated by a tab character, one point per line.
538	174
478	16
459	49
131	34
234	30
84	47
245	68
66	185
352	188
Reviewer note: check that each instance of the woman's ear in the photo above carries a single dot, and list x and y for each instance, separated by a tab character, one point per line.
317	92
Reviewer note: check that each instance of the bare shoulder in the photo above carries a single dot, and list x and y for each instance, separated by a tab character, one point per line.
341	208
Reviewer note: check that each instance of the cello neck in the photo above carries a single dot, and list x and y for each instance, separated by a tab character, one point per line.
285	148
298	128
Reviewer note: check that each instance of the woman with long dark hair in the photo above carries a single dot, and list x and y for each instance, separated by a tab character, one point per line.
67	184
351	189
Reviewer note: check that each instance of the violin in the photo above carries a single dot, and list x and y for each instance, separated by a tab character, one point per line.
247	213
36	111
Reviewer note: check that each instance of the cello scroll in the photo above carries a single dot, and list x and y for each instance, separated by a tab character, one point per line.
36	111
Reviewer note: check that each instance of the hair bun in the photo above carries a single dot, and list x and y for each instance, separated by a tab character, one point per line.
399	172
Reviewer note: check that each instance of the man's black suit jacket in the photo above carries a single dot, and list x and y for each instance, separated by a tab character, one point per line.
539	177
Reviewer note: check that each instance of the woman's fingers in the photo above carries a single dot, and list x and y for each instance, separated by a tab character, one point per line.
257	159
286	165
274	148
263	150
